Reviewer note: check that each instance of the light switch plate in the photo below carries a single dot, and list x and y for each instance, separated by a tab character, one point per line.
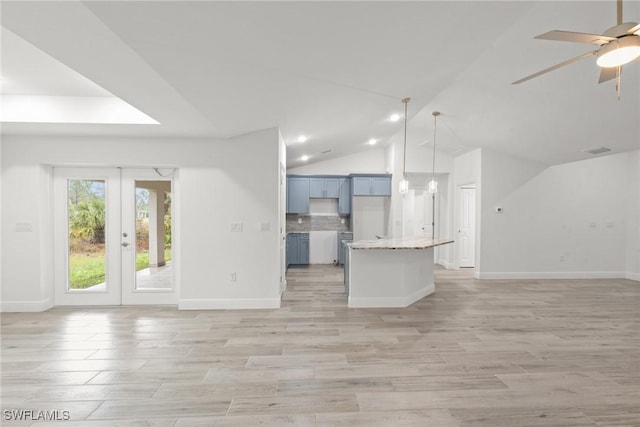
24	226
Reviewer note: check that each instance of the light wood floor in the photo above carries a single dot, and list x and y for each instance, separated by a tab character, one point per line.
475	353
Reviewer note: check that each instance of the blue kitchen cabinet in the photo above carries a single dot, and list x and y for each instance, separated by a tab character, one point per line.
303	250
297	249
371	185
297	195
381	186
361	185
344	197
323	188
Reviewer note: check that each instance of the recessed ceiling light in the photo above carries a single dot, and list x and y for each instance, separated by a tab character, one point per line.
304	158
303	138
372	141
395	117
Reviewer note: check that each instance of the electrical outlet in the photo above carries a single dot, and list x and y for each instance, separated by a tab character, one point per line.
235	226
265	226
233	277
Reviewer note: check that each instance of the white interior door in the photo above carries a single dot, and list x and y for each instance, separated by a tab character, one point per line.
467	231
112	237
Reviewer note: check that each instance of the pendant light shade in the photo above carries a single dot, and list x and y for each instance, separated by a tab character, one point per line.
433	186
404	183
404	186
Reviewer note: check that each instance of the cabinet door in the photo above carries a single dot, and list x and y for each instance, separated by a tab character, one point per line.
381	186
331	188
293	248
361	186
316	188
297	195
344	198
303	250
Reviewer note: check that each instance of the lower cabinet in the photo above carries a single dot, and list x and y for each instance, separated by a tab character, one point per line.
297	249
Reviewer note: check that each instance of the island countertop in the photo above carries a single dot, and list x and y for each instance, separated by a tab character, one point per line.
399	243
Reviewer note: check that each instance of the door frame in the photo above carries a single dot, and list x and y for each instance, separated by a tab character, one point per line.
115	294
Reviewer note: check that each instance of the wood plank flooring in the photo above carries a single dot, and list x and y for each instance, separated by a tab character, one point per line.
475	353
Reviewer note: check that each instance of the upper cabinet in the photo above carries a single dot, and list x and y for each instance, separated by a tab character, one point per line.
297	195
371	185
301	188
324	188
344	201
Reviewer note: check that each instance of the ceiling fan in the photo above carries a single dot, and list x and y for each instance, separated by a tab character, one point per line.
618	45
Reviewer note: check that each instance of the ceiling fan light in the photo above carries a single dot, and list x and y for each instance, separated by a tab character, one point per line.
619	52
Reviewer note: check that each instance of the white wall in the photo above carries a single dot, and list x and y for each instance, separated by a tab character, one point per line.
633	217
366	161
570	220
220	181
370	217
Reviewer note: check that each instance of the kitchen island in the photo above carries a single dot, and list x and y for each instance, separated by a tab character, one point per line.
390	272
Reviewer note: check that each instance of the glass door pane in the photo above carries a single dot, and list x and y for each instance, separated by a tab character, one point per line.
86	216
86	210
148	258
153	235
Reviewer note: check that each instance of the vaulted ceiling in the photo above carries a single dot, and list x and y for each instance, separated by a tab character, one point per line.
335	71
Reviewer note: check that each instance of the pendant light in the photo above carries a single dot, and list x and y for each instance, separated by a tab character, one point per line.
433	184
404	183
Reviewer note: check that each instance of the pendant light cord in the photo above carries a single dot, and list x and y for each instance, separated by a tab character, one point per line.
435	123
404	161
433	176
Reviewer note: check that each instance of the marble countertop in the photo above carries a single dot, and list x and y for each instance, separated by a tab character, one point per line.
399	243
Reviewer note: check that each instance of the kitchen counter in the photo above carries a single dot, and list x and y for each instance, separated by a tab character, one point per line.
390	272
400	243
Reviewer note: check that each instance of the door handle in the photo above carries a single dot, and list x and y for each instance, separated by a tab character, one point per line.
125	244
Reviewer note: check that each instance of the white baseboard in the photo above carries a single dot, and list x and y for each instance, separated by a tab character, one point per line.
378	302
25	306
521	275
228	304
632	276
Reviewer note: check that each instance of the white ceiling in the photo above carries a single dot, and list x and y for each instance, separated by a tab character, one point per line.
335	71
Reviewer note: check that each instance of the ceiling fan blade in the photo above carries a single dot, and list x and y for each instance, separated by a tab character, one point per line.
620	30
634	30
607	74
555	67
571	36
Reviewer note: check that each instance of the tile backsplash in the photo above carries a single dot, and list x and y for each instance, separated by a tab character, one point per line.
317	223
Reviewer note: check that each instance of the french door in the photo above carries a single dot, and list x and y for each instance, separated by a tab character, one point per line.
112	237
